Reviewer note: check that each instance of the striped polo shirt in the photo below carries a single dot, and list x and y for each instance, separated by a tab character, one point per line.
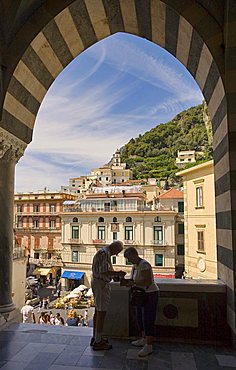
102	263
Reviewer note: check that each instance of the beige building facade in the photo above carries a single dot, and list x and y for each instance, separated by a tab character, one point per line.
185	157
94	222
200	221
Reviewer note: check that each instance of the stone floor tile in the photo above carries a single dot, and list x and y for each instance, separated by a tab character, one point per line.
57	339
226	360
2	363
89	361
10	349
45	359
160	360
206	361
37	366
132	354
90	352
68	358
135	365
73	349
114	359
29	352
54	348
110	362
183	361
62	367
12	365
80	341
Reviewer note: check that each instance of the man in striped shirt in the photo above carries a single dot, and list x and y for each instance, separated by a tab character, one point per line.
102	274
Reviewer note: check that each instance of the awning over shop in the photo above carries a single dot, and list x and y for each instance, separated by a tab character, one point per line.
42	271
73	275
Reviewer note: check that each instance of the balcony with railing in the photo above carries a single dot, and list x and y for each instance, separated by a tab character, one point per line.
75	241
125	208
99	241
159	242
130	242
40	229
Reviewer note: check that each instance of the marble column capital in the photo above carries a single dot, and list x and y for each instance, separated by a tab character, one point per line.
11	148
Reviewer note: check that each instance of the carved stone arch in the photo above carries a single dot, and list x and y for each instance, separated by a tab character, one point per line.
201	35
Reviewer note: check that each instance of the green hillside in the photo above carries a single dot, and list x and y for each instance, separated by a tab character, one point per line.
153	154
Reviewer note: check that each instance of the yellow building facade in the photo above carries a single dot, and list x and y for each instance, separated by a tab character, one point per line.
200	221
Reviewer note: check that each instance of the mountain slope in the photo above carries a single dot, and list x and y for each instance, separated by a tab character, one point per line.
153	154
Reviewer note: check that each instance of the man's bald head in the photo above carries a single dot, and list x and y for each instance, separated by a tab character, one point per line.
116	247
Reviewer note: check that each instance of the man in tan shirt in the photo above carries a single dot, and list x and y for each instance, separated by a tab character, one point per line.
102	274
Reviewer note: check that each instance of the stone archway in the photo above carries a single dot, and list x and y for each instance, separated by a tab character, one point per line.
200	36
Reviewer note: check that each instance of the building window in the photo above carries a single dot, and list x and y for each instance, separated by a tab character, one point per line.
199	196
19	208
181	207
75	256
36	224
114	260
75	232
36	208
52	224
159	260
36	242
19	221
158	234
101	232
52	208
50	243
128	219
114	219
101	219
180	249
114	236
129	233
36	256
157	219
75	219
200	241
180	228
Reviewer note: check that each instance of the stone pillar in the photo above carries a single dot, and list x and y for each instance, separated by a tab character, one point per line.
11	149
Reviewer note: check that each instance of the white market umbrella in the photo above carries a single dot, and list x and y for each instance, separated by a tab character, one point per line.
89	293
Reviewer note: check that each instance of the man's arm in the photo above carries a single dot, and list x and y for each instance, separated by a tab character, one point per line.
112	274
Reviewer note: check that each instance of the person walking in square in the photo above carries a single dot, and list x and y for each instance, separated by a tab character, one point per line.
28	313
102	274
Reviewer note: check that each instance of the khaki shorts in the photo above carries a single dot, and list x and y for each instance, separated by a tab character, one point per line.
101	293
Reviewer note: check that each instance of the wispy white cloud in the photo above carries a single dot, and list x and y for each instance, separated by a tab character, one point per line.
146	67
84	118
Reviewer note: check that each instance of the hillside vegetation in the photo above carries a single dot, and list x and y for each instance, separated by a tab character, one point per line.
153	154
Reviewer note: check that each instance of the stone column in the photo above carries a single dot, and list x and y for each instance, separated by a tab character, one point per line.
11	149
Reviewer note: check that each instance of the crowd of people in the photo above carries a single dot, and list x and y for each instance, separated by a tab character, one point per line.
49	318
141	280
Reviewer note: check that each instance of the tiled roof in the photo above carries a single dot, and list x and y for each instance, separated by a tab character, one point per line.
171	194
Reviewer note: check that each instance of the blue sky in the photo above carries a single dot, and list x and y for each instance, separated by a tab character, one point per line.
115	90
